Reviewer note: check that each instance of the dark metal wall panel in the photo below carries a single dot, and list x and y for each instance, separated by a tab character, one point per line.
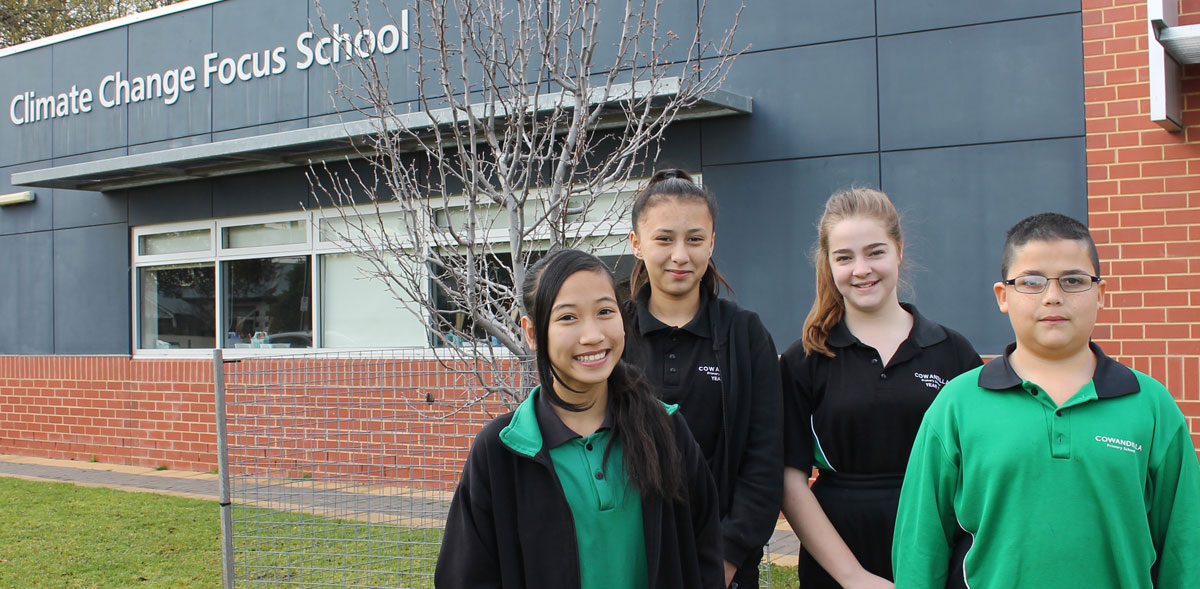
19	74
265	192
808	101
79	208
776	24
998	82
25	217
91	290
84	62
767	227
169	203
959	202
250	27
26	294
158	47
903	16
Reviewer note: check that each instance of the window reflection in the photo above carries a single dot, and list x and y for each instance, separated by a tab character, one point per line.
267	301
177	307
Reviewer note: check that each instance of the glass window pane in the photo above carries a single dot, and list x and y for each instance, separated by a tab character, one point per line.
336	228
277	233
175	307
175	242
267	302
358	311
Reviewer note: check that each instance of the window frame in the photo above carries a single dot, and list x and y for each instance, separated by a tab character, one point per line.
610	236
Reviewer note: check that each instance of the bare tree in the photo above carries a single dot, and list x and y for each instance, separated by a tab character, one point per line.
533	116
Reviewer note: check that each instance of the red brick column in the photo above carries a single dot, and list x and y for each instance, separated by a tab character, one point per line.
1144	202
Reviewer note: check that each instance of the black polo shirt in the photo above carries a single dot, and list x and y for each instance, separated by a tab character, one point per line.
853	414
681	365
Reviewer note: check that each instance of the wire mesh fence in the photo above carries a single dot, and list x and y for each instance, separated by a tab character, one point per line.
341	465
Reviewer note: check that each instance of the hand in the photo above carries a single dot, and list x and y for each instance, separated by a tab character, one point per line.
866	580
730	571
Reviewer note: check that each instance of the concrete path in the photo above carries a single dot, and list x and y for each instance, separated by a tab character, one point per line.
202	485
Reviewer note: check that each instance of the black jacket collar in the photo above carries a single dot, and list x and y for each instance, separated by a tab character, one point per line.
1112	379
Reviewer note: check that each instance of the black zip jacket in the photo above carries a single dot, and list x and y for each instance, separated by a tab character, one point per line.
510	525
748	467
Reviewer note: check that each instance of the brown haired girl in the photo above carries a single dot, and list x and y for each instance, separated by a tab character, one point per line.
713	358
855	388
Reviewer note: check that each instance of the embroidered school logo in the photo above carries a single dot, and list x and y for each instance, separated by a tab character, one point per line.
932	381
713	372
1119	444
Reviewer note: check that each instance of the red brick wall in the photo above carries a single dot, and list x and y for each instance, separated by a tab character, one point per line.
109	408
1144	202
369	418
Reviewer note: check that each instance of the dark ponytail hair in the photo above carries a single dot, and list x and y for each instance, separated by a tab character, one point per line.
672	184
639	419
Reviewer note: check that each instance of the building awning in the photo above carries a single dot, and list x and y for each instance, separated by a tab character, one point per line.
303	147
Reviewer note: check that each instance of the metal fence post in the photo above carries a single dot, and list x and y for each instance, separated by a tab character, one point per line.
223	471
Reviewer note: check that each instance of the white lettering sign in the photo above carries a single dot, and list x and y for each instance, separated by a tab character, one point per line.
119	89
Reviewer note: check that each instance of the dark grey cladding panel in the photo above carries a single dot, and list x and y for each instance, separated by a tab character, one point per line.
25	217
170	144
396	67
671	25
359	179
252	27
808	101
903	16
774	24
164	47
26	294
997	82
168	203
263	192
78	208
957	205
85	63
91	290
21	73
90	156
680	148
767	226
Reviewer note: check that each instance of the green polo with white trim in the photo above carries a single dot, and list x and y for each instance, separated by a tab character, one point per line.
1007	489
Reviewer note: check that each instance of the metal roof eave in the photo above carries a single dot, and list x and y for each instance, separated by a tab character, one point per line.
342	140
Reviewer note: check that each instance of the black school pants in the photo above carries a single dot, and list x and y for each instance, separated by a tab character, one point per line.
862	508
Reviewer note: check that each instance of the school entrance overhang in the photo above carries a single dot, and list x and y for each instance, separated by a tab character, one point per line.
1169	47
350	139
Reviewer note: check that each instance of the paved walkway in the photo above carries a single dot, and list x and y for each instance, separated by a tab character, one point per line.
203	485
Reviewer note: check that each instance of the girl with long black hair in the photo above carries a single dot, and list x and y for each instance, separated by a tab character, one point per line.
591	482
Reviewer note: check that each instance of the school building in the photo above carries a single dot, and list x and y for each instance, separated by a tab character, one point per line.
154	203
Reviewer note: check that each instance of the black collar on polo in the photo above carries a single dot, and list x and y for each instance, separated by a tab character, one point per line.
554	432
1112	379
648	323
924	332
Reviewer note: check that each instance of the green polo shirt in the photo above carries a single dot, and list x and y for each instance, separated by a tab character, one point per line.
607	510
1007	489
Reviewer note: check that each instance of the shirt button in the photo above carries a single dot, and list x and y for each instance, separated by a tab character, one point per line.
671	356
589	447
874	360
672	371
883	376
600	475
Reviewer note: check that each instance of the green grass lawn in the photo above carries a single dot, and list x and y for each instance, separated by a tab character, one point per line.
62	535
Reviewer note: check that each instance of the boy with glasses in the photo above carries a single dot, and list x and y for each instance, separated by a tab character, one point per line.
1053	465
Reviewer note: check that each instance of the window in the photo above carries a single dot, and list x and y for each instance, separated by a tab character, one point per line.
285	282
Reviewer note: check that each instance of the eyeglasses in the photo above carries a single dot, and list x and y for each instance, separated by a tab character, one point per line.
1035	284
